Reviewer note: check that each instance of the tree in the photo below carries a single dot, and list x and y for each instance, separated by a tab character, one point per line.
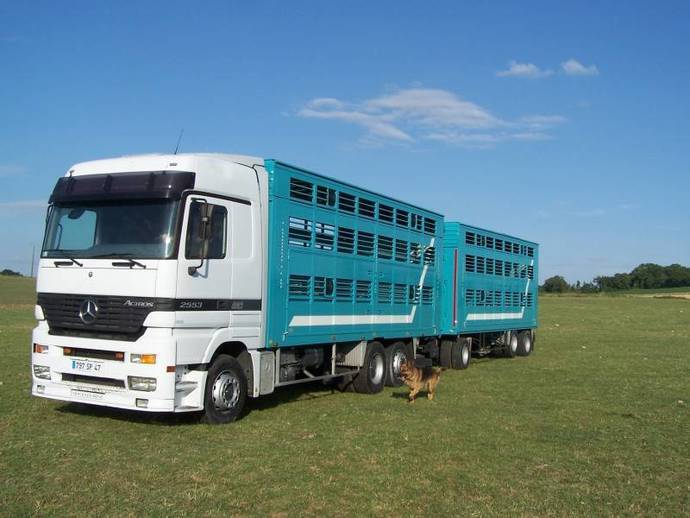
12	273
555	284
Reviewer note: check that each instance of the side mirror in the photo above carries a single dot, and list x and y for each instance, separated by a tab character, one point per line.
204	235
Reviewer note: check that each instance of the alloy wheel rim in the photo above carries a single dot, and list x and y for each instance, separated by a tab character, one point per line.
399	357
226	391
376	369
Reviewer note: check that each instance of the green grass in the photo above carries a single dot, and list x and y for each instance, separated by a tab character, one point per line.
17	290
595	422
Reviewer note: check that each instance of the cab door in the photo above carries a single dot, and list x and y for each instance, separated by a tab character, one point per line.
205	272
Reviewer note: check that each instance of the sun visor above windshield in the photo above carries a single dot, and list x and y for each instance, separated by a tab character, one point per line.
102	187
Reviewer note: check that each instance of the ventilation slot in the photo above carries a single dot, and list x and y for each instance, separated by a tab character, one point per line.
301	190
299	287
299	233
470	238
343	290
346	240
365	243
385	293
401	217
469	263
324	236
346	202
399	293
323	288
385	247
386	213
401	250
363	291
427	294
429	226
325	196
367	208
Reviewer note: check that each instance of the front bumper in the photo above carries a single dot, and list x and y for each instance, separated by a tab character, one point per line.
106	382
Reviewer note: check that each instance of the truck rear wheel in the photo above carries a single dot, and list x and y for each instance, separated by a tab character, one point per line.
396	355
371	377
461	353
512	346
524	343
226	391
446	356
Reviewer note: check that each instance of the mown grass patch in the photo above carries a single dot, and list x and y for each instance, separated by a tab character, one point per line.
596	421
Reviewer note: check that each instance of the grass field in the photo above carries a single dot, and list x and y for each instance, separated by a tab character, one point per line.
595	422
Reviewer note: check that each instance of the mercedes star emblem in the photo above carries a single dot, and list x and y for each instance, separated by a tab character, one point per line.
88	311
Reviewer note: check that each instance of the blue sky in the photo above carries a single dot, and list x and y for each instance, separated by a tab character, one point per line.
566	123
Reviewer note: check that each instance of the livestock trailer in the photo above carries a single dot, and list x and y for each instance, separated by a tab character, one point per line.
191	282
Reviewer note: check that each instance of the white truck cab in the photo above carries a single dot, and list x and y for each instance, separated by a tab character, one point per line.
150	266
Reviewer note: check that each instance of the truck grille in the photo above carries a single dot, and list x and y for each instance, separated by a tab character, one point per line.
119	318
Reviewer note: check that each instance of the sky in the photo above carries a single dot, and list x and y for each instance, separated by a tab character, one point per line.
566	123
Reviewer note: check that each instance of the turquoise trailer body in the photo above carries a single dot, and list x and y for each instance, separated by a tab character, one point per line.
489	281
348	264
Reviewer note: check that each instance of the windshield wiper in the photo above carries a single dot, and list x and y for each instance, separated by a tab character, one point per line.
130	262
66	256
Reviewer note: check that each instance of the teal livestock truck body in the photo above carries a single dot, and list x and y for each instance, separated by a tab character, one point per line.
179	283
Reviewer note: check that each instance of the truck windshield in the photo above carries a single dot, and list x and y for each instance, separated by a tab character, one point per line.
143	229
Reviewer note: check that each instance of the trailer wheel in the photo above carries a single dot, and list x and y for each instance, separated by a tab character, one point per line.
524	343
396	355
226	391
371	377
461	353
446	356
511	348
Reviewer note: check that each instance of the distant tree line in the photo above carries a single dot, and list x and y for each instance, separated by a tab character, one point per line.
645	276
11	273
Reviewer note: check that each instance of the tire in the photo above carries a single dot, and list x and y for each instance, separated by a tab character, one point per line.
461	352
226	391
511	348
524	343
396	354
445	358
371	377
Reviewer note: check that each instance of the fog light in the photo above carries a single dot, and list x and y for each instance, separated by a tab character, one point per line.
40	349
149	359
40	389
142	403
41	371
139	383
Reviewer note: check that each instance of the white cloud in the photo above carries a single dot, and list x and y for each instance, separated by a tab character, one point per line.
572	67
414	114
527	70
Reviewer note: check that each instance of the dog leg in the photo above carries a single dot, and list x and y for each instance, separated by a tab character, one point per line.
413	395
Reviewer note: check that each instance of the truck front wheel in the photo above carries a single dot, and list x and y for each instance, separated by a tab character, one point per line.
226	391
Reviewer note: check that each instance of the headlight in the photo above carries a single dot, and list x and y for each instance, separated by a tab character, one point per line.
143	358
41	371
40	349
139	383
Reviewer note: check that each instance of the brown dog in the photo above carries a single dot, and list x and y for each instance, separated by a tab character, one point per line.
417	379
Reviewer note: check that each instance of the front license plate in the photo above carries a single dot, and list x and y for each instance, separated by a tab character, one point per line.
86	366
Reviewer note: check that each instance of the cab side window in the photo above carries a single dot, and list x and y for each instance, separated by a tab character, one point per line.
216	233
